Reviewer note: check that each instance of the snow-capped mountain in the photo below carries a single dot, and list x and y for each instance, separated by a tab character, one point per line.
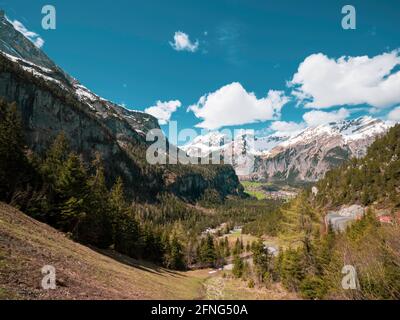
51	101
243	143
18	50
211	142
314	151
349	130
306	156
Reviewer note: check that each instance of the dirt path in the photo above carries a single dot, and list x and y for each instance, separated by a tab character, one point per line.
214	288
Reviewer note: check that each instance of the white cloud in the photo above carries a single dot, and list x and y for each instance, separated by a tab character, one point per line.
182	42
316	117
322	82
286	128
163	110
36	39
233	105
394	115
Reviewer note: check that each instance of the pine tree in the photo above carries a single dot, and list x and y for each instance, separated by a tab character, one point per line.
13	163
174	259
292	270
55	158
261	259
96	227
71	187
207	251
126	231
238	267
237	248
117	197
227	249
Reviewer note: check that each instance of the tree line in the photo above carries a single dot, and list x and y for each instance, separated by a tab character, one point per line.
59	188
313	257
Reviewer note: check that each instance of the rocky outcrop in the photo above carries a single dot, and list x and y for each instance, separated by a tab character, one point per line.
47	112
51	102
340	220
303	157
309	155
303	162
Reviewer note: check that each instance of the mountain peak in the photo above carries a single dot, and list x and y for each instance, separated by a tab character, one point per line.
14	43
18	49
306	155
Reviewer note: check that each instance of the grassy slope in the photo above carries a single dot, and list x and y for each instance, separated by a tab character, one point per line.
218	287
246	238
26	245
253	188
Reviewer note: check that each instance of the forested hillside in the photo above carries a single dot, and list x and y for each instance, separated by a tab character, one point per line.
52	102
59	188
313	255
315	266
372	179
26	245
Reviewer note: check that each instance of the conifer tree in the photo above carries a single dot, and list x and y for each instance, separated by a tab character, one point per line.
207	251
55	158
13	162
175	256
125	227
238	266
71	187
261	259
96	227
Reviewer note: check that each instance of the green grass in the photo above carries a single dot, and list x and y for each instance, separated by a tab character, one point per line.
253	188
252	183
247	238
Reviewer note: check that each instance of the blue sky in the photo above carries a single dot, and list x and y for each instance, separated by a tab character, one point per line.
122	51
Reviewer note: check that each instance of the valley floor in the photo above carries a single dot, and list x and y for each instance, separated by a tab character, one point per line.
27	245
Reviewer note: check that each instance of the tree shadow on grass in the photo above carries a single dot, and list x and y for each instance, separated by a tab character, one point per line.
138	264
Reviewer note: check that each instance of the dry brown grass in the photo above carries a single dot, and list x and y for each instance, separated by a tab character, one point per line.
218	287
26	245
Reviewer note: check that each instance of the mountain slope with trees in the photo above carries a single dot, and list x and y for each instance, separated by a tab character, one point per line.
27	245
62	190
314	257
374	178
52	102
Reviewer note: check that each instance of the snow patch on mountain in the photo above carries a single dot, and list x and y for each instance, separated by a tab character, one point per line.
304	155
348	130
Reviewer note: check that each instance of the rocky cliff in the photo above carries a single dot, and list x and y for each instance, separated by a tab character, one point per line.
310	154
303	157
51	102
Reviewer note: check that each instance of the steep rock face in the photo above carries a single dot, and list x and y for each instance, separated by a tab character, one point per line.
46	113
219	177
303	157
309	155
12	43
307	162
51	102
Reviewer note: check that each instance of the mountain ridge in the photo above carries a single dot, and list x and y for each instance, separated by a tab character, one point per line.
304	156
50	102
